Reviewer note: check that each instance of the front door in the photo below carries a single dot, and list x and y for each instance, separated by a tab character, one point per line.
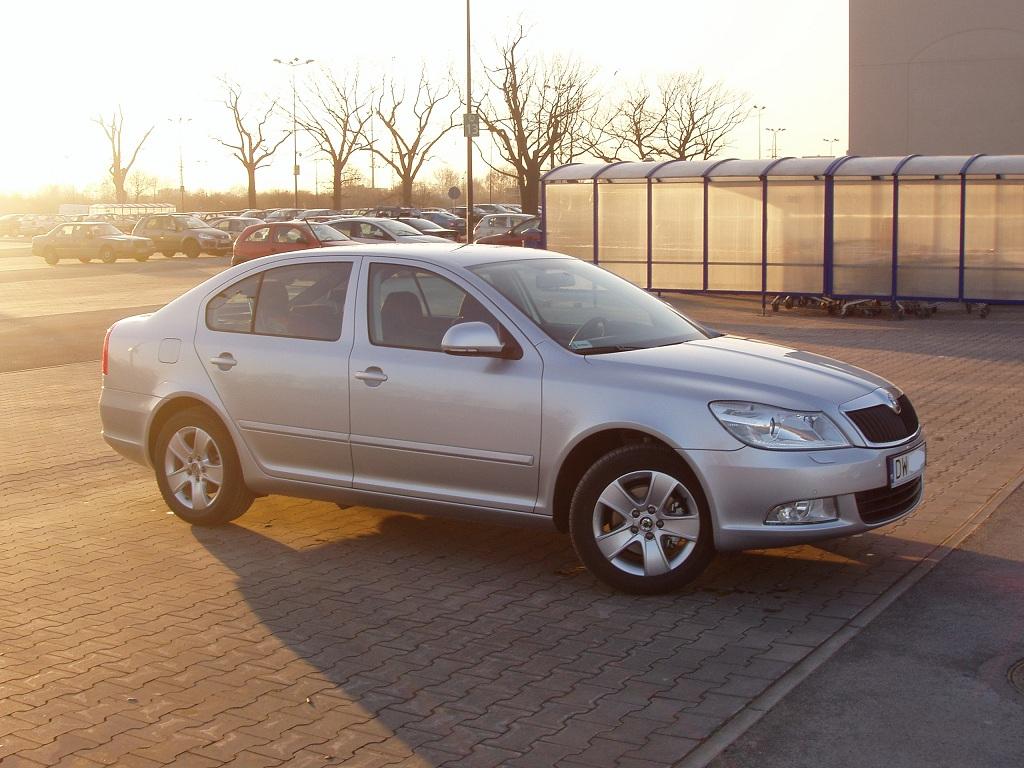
427	424
276	347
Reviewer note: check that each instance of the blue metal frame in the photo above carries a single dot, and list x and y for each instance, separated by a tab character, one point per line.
963	225
896	225
596	258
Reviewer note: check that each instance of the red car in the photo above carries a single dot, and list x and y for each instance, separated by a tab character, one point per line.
278	237
525	235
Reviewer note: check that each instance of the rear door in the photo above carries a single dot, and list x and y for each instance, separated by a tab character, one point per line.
276	346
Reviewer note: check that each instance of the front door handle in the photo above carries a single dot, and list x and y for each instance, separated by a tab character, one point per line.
224	361
373	376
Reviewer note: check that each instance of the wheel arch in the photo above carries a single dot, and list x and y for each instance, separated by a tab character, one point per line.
592	446
168	409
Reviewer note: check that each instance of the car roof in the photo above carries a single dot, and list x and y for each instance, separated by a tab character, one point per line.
446	254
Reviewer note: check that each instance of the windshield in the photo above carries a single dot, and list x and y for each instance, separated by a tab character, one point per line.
398	228
191	222
102	230
586	309
325	233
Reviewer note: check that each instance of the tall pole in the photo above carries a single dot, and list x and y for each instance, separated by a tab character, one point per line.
292	63
469	133
180	121
775	140
295	141
760	108
831	146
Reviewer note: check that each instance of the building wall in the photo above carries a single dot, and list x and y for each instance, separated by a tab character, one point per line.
943	77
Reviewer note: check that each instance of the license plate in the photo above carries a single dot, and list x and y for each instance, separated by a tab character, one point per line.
906	466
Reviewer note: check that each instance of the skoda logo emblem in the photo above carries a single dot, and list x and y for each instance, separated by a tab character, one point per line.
893	402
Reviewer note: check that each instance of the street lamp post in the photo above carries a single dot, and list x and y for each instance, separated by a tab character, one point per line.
468	129
760	108
775	140
831	143
180	122
292	64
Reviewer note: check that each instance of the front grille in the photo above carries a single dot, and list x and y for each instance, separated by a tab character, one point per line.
881	504
881	424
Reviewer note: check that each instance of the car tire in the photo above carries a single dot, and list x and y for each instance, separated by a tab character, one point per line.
84	259
107	256
142	257
639	521
197	469
50	257
191	249
168	254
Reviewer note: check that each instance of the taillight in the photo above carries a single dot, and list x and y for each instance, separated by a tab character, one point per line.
105	357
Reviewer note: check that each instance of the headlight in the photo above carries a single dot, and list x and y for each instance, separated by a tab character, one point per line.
764	426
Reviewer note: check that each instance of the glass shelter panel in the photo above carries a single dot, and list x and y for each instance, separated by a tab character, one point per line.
796	236
862	238
677	236
569	211
622	230
928	247
734	236
994	240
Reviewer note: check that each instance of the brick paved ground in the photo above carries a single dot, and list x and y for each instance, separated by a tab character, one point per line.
305	635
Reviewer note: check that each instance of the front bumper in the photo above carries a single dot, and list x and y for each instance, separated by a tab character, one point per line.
743	485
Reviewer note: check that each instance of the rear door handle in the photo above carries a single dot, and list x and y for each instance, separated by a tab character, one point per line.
224	361
373	376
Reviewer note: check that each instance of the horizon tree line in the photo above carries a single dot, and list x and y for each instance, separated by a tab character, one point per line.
541	111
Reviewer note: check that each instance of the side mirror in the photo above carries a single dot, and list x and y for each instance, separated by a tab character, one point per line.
473	338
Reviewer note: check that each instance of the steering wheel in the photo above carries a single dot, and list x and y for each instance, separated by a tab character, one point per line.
594	327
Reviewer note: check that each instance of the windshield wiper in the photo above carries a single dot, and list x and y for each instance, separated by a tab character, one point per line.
605	349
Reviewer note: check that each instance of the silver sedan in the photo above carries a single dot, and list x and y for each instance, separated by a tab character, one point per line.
506	384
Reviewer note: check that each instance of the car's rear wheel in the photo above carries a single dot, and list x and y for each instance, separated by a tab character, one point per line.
197	469
107	256
168	254
639	521
84	259
191	249
50	256
142	257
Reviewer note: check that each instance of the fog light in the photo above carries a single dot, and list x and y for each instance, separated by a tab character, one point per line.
805	511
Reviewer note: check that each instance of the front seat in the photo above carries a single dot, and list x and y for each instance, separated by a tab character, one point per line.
272	309
401	320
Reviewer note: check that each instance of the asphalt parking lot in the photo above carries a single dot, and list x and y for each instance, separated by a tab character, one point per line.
309	635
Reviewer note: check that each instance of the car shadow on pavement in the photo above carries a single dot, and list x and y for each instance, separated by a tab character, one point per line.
455	640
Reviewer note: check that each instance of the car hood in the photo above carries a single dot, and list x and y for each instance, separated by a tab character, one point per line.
733	368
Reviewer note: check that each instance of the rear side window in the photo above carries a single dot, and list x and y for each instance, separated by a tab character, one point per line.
232	310
303	301
259	235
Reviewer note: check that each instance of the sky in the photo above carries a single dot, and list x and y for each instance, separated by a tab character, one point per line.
159	62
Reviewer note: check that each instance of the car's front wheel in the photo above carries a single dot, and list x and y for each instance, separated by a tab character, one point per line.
191	249
639	521
50	257
107	256
198	471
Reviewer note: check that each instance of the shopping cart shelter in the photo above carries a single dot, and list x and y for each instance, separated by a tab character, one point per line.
895	229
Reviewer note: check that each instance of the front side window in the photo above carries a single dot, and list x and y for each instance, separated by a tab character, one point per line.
304	301
65	231
232	309
586	309
413	308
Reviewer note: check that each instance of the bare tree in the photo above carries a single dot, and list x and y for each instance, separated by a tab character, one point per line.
534	108
118	169
140	183
445	178
336	115
428	120
687	118
253	149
